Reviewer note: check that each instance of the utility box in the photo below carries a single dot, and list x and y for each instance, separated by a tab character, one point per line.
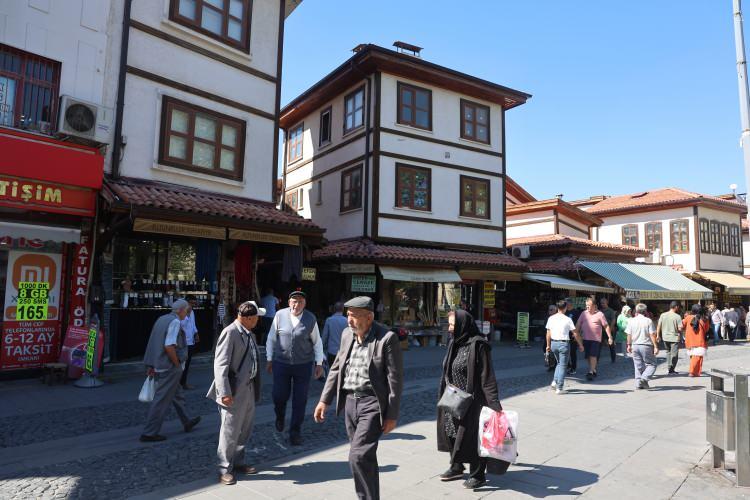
720	419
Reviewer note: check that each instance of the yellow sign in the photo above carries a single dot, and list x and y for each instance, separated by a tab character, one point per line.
308	274
179	229
489	294
33	301
522	327
263	237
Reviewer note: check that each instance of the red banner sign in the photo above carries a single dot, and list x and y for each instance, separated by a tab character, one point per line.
19	192
79	282
74	350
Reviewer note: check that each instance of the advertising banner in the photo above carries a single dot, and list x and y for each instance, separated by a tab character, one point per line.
79	282
522	327
31	313
74	350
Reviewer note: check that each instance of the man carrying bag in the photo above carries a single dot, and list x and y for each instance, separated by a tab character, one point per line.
236	389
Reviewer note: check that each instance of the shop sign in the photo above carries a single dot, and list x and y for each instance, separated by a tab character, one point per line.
29	194
74	350
667	295
308	274
363	283
179	229
489	294
522	327
30	342
91	350
79	281
263	237
358	268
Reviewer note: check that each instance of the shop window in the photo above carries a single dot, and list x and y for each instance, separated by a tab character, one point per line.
475	121
354	110
201	140
225	20
734	240
630	235
414	304
325	127
679	236
29	90
475	197
715	237
295	143
724	238
413	186
704	235
414	106
653	236
351	189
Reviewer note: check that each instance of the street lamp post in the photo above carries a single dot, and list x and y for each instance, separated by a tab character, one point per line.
739	40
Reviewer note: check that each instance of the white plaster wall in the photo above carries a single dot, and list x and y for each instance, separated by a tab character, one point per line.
320	166
327	213
746	254
580	230
532	229
710	261
424	231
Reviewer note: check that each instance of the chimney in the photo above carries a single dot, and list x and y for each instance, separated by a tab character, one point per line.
408	49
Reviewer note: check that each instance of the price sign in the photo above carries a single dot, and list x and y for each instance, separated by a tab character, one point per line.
33	298
91	349
522	327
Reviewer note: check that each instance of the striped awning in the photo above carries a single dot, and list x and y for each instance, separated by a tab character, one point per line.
649	282
559	282
734	283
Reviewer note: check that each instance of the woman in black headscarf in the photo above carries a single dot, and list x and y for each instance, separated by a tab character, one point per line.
468	366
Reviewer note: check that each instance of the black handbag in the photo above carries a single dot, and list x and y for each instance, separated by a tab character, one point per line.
232	375
455	401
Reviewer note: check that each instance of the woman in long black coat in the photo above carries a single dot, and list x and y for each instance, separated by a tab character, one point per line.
468	366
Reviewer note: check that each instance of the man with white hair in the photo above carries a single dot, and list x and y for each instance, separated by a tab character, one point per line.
643	345
165	357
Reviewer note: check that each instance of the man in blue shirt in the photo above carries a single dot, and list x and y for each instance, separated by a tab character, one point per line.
332	329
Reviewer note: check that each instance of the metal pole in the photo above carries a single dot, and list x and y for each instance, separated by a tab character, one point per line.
717	454
739	40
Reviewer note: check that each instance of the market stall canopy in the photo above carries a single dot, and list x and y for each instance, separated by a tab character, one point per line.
41	233
734	283
488	275
650	282
560	282
417	275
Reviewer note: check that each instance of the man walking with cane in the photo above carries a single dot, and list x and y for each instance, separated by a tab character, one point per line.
366	377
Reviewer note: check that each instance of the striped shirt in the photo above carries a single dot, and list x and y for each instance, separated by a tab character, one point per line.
357	375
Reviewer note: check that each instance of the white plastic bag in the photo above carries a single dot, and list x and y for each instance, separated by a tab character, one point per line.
507	448
148	390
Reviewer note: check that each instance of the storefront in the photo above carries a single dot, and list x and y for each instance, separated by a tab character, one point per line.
728	288
173	242
48	192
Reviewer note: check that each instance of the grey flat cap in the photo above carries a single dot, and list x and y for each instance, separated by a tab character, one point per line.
362	302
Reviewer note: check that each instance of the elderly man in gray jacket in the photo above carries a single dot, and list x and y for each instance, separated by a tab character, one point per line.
236	389
165	357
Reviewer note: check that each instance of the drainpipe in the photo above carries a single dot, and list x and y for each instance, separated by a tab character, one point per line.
117	146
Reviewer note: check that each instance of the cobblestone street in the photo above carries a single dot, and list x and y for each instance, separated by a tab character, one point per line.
91	451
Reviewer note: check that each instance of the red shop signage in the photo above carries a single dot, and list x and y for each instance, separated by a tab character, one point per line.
30	194
79	282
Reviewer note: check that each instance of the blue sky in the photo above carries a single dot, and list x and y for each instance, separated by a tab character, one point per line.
628	95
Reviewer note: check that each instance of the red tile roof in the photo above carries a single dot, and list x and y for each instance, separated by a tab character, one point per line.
649	200
165	196
560	240
366	249
564	264
515	190
563	207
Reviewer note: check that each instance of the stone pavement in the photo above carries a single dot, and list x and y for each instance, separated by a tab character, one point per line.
599	439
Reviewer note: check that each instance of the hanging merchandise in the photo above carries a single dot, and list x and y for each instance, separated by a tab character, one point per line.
207	262
243	262
292	263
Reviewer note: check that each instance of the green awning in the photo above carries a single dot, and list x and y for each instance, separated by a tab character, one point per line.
555	281
649	282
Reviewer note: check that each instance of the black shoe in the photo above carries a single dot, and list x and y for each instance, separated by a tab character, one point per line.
644	384
280	424
192	423
295	440
451	475
594	374
473	483
589	376
151	439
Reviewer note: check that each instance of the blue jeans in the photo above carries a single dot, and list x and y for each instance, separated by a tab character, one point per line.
717	332
561	349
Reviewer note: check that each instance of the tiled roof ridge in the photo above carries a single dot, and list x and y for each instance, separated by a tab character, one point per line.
563	239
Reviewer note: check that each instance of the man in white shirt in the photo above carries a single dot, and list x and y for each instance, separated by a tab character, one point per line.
269	302
192	338
643	346
559	327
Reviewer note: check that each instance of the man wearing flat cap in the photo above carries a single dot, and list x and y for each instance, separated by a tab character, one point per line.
293	347
366	377
236	389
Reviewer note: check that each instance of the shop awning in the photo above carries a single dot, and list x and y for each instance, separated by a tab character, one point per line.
734	283
650	282
562	283
488	275
41	233
419	275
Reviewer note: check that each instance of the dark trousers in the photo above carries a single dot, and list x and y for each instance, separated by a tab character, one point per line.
262	332
573	355
673	353
477	468
612	348
364	429
191	350
291	380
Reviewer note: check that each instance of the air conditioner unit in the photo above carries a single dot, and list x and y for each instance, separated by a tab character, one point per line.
522	251
656	256
84	119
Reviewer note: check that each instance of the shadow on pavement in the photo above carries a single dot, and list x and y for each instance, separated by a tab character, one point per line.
317	472
404	436
541	481
658	388
595	391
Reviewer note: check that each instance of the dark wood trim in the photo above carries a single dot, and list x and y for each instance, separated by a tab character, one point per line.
453	166
195	24
321	142
560	221
439	244
399	87
352	95
318	156
475	105
698	245
277	102
440	141
282	201
120	100
368	129
556	218
504	179
328	172
200	50
474	180
439	221
396	190
350	172
376	160
200	93
721	270
637	236
671	237
538	221
300	139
